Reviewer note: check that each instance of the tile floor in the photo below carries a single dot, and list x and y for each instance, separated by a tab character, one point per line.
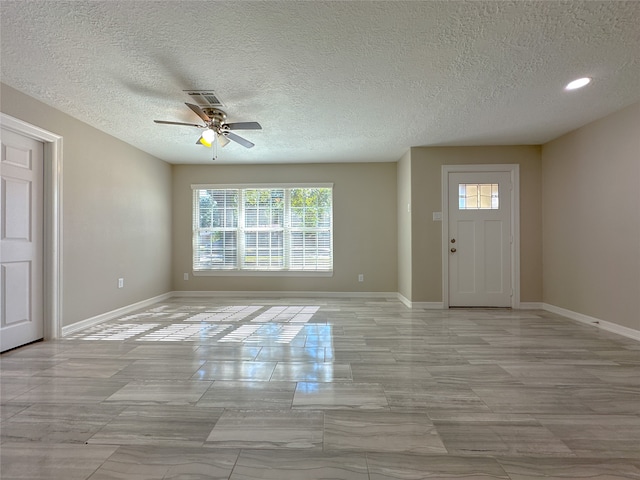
323	389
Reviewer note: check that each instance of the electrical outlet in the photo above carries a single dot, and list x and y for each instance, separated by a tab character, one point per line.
121	283
361	277
186	276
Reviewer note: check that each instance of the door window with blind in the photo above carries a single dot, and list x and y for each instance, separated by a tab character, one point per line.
263	228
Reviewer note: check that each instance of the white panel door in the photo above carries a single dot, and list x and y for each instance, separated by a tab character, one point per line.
479	247
21	240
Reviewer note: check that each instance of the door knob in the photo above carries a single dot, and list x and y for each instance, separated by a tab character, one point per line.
453	250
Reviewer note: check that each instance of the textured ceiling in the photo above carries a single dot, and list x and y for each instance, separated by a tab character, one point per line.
328	81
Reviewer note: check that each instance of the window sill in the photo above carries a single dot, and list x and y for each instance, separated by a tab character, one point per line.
260	273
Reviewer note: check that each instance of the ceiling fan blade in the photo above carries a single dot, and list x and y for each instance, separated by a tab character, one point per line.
223	140
244	126
238	139
179	123
198	111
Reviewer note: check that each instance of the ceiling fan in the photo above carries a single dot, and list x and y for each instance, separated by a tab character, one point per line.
216	130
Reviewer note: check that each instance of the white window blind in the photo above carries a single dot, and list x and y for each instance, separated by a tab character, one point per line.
263	228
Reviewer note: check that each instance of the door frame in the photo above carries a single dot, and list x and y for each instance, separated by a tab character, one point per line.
52	259
514	171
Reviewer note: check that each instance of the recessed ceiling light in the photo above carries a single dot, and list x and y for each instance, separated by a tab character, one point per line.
579	83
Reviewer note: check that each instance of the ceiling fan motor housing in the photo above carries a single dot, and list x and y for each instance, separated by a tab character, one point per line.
216	115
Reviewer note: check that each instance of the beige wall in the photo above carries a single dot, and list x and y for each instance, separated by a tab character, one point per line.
365	237
128	214
426	178
404	225
591	212
116	214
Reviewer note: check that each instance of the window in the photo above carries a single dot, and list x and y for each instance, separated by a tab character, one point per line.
262	228
474	196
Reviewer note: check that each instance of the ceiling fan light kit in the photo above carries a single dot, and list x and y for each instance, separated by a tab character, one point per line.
209	135
217	131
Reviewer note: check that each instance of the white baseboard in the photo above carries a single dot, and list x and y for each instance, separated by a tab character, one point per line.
531	306
425	305
103	317
594	322
282	294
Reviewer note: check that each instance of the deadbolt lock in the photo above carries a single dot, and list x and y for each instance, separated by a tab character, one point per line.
453	240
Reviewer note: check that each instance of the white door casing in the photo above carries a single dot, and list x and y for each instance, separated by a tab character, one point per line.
481	246
21	240
51	206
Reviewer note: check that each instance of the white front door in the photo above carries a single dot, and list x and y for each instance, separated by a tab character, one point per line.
21	240
479	243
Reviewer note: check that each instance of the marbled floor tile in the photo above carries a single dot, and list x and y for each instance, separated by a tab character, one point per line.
471	375
532	399
481	329
384	466
177	352
286	465
324	396
491	434
610	399
69	390
381	432
82	367
37	350
597	436
433	397
51	462
449	339
431	358
616	375
217	353
168	463
267	429
183	426
538	373
351	343
249	395
229	370
11	387
58	423
8	410
389	374
160	392
94	349
15	367
290	354
555	342
569	469
625	357
494	355
380	356
311	372
579	384
159	369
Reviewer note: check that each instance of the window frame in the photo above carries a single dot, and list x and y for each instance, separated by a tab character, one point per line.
240	230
